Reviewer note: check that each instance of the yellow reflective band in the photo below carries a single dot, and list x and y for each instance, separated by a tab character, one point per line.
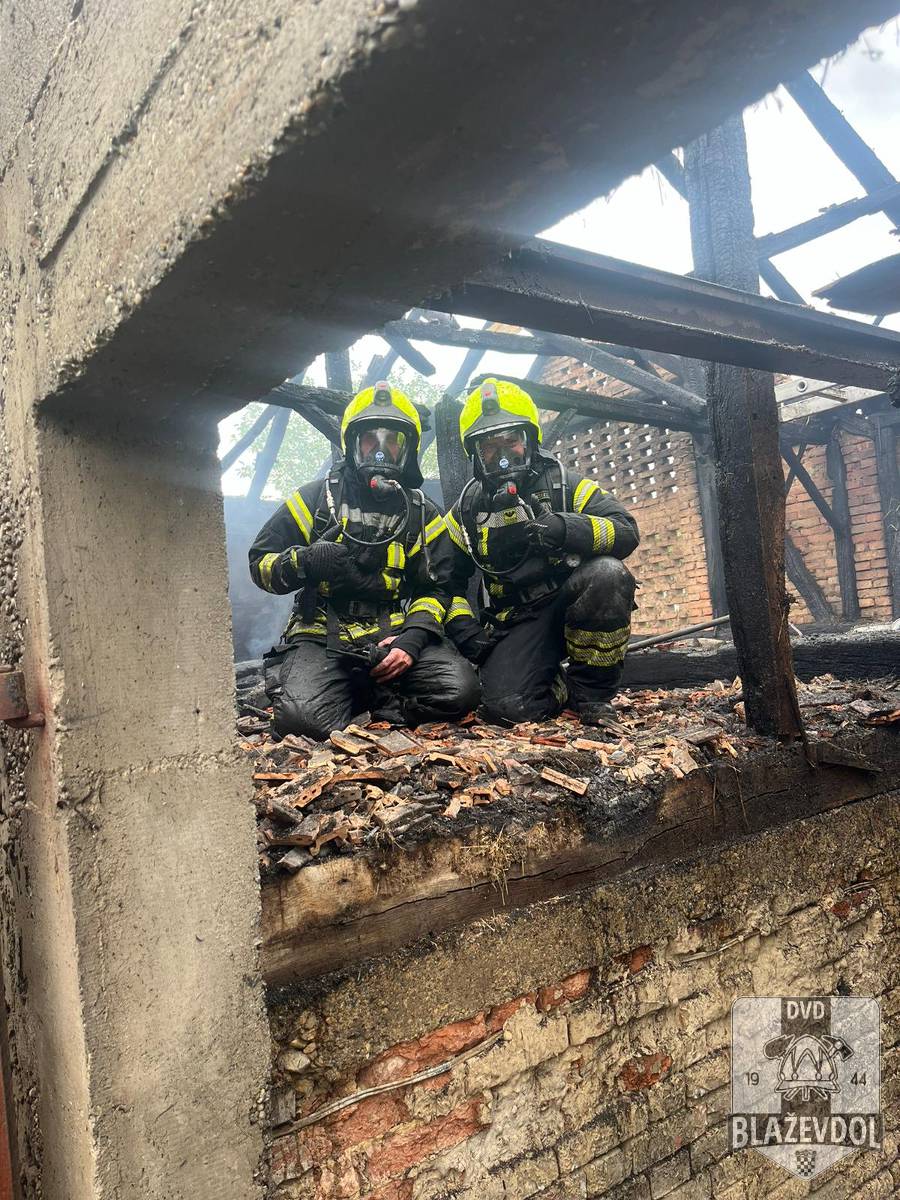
582	494
483	537
433	529
266	563
459	607
596	658
396	556
496	589
604	534
427	604
301	514
298	628
455	530
391	582
597	637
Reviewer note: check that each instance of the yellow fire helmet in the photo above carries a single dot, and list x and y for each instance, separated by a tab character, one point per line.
494	405
377	409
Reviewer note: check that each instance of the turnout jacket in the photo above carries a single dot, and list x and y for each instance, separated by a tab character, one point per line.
405	588
484	535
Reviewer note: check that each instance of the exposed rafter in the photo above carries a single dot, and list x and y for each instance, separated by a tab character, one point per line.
556	288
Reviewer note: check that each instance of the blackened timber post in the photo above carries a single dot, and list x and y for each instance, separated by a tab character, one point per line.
453	465
268	456
843	533
806	583
705	473
705	468
743	417
889	492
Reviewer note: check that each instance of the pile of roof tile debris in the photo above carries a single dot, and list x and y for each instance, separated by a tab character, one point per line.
373	785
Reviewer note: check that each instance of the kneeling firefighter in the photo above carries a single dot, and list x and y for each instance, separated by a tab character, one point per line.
371	561
549	545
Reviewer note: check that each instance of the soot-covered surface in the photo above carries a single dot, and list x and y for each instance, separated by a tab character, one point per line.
373	786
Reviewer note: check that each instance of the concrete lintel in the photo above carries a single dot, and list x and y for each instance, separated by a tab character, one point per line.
253	184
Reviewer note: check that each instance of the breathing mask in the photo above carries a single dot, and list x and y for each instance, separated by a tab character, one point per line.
378	451
503	455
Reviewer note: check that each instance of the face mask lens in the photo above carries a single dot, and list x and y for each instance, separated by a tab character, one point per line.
380	447
504	450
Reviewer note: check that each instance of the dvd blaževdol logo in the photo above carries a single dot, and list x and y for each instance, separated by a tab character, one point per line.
805	1079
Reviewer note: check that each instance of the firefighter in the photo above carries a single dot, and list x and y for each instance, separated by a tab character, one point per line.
370	560
549	546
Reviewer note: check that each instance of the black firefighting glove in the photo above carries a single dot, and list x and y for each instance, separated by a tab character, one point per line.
477	646
548	533
290	566
331	562
413	641
508	545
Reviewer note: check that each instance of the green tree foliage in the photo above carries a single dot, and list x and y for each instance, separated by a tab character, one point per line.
304	450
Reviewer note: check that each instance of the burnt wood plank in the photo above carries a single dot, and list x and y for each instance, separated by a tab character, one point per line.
325	919
889	492
871	657
743	416
806	584
843	532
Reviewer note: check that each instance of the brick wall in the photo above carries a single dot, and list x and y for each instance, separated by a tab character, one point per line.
612	1080
652	472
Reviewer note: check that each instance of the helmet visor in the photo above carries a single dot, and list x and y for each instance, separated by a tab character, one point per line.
381	448
503	451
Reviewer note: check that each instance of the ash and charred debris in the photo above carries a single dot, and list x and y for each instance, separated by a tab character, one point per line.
373	787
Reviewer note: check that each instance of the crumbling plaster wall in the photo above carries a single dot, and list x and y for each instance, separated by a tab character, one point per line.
611	1073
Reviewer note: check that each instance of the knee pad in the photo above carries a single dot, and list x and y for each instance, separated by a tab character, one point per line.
301	718
600	589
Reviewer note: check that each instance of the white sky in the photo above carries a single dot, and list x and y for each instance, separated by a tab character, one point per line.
793	173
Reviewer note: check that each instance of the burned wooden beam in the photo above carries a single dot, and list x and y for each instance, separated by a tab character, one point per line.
743	417
806	584
405	350
857	156
889	493
328	401
815	429
705	468
483	339
453	464
562	290
672	169
630	409
618	368
798	471
782	288
845	657
379	368
337	914
269	454
338	374
829	220
843	537
230	457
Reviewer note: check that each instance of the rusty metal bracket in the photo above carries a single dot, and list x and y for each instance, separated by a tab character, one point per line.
13	701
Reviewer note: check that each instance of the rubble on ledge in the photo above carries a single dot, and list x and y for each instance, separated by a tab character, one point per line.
373	785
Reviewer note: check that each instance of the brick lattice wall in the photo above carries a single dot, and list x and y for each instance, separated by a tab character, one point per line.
613	1080
652	471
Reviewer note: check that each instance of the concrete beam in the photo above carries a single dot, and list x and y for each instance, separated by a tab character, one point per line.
253	184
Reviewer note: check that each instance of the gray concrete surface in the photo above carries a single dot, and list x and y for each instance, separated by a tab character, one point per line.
217	192
194	200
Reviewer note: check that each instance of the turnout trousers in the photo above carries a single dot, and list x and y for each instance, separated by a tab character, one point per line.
314	691
588	622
